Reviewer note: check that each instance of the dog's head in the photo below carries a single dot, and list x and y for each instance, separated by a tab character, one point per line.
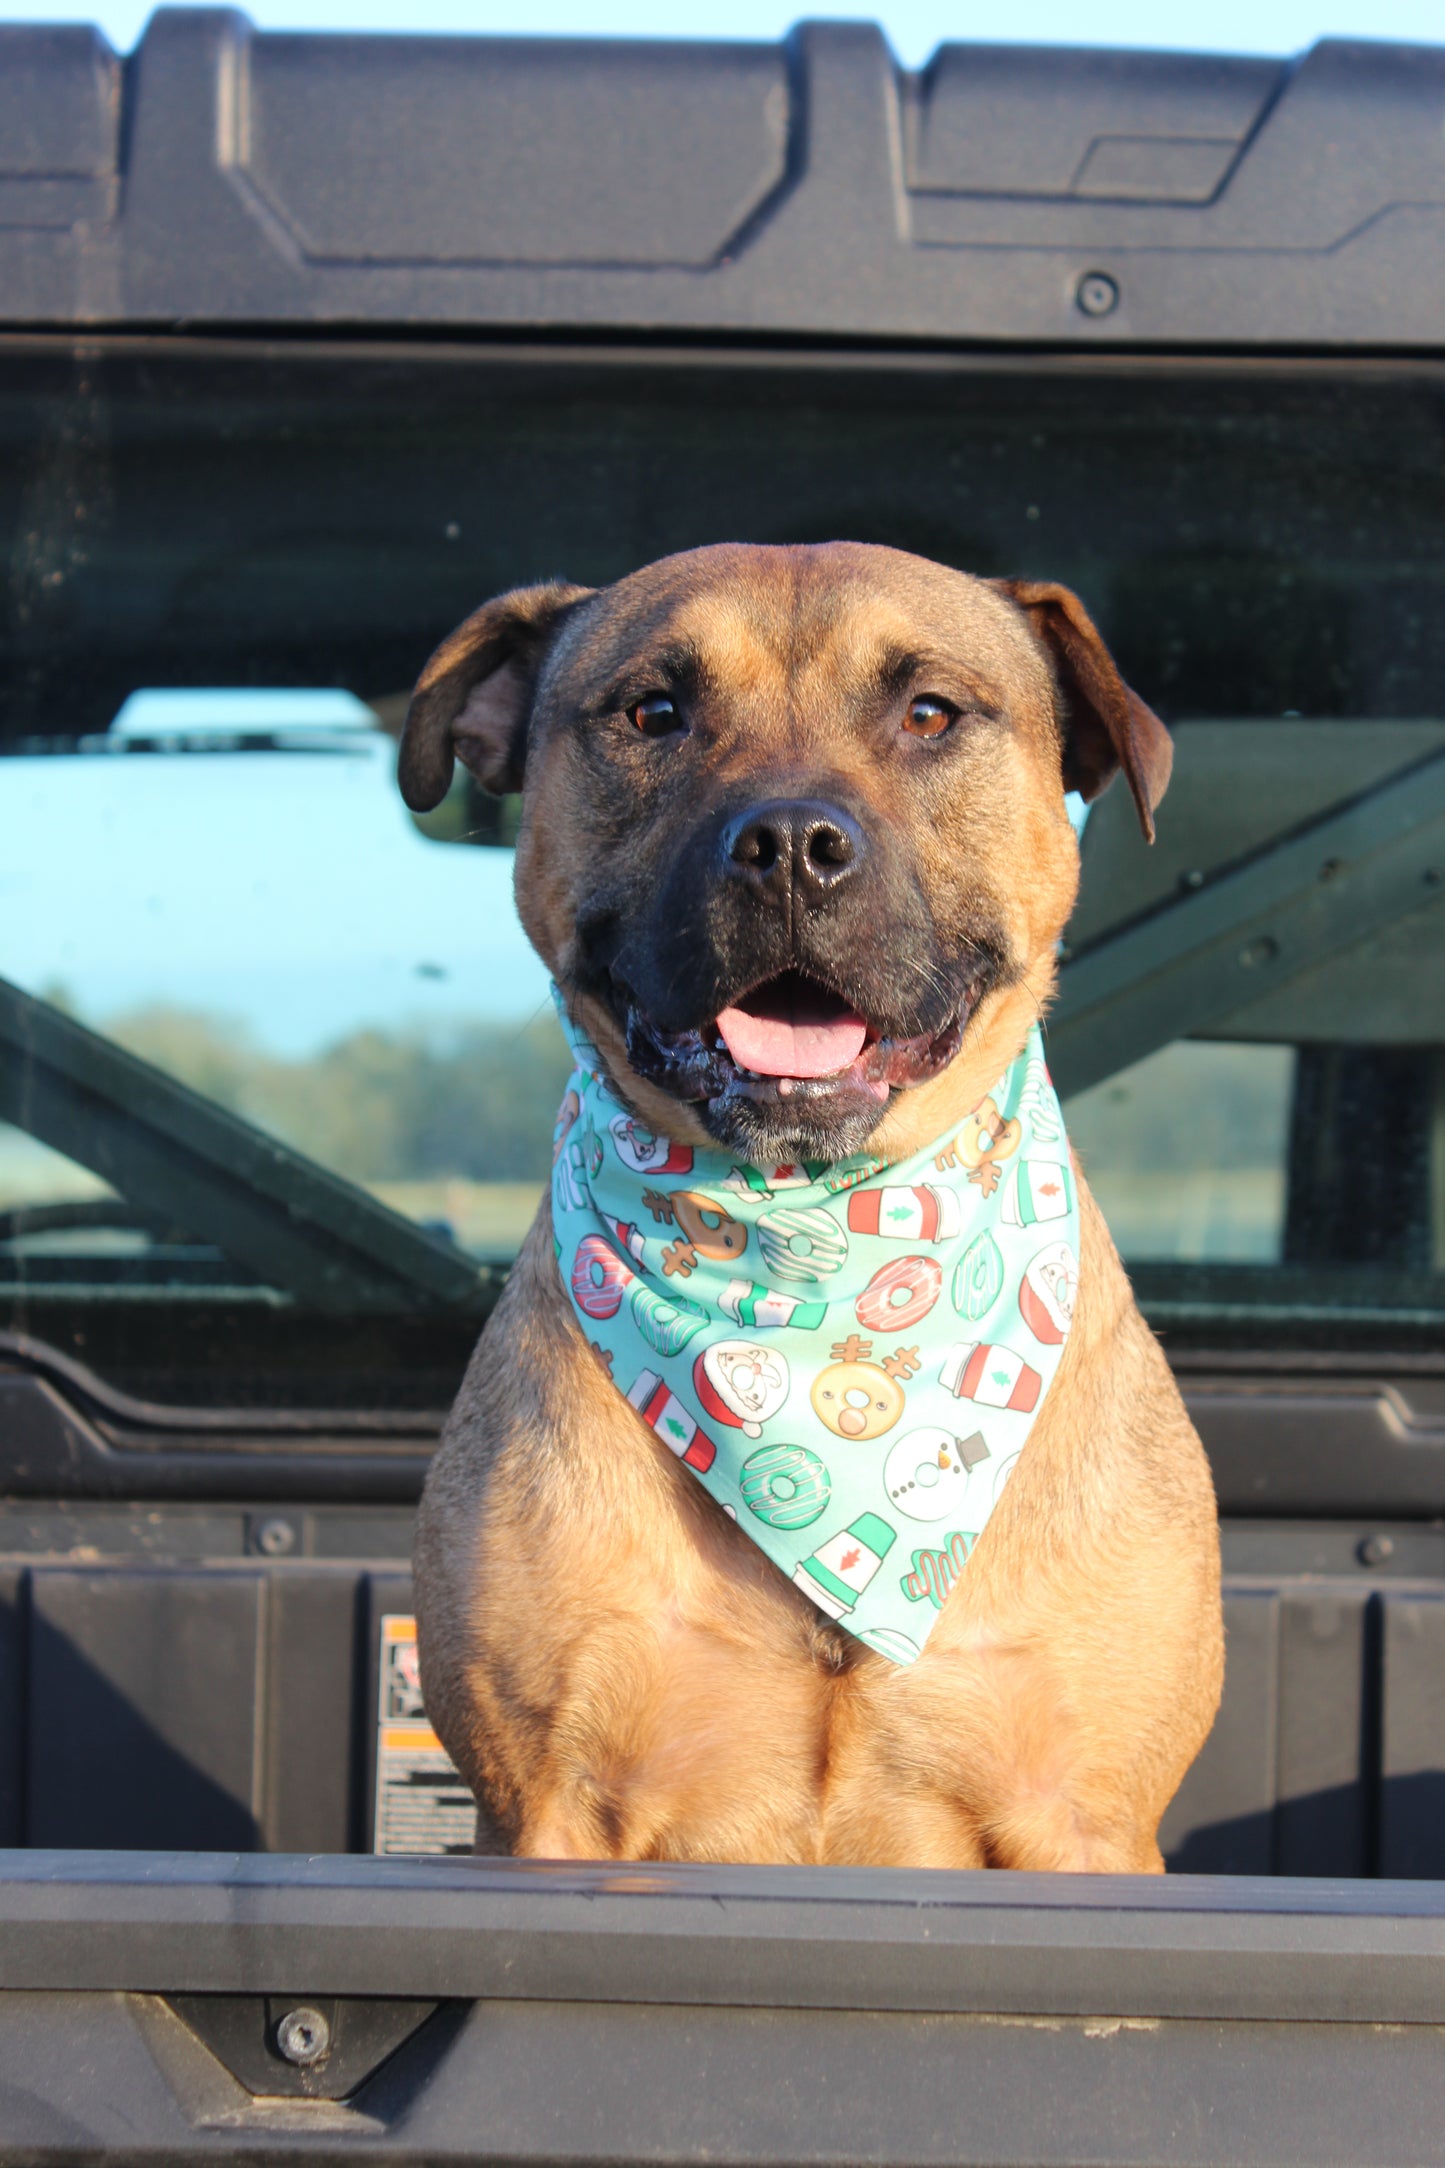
793	837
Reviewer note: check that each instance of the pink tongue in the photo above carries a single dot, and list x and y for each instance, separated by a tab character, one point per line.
797	1044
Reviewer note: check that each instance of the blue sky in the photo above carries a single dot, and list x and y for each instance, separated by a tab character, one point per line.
287	893
914	27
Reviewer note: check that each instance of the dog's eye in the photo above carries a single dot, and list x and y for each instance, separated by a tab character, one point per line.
929	718
656	716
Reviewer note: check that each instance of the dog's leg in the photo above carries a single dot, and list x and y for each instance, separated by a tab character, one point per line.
1049	1836
550	1833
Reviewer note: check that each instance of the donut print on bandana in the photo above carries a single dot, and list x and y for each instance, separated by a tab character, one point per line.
785	1485
802	1244
847	1358
978	1278
599	1278
900	1294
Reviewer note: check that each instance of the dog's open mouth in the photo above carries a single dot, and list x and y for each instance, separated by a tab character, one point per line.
790	1038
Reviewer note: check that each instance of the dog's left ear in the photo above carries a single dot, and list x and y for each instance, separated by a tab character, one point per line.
474	698
1106	725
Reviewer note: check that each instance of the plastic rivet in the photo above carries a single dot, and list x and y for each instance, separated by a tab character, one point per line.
1097	294
303	2036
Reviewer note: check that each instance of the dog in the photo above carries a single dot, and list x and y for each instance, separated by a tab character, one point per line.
835	773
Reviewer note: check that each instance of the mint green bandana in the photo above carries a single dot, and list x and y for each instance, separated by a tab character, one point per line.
848	1357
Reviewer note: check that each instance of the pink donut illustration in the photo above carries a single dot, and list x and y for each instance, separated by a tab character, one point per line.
899	1294
599	1278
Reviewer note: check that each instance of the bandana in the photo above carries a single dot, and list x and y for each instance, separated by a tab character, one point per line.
850	1356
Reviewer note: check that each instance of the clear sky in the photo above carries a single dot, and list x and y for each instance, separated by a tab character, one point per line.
914	27
288	893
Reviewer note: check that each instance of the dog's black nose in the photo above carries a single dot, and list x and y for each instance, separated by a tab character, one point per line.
794	847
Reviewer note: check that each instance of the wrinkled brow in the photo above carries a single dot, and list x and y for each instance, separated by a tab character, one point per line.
895	668
675	666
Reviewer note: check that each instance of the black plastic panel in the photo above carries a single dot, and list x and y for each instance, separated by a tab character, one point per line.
477	151
121	2079
809	189
709	1937
1122	127
143	1708
216	1704
1280	1443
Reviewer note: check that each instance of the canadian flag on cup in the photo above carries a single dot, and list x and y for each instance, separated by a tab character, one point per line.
924	1213
992	1376
1036	1191
840	1569
670	1419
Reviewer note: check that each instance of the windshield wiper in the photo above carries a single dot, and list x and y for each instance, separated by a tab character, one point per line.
175	1153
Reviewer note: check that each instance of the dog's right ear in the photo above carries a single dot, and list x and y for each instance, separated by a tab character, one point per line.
473	700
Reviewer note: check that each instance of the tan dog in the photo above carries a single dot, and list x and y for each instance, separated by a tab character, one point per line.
752	775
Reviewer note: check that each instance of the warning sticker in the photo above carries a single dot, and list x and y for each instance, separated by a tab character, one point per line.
422	1804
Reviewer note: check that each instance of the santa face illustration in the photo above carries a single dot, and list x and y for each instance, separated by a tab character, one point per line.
1046	1296
644	1153
741	1384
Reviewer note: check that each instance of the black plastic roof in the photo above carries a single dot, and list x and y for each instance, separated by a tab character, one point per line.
225	176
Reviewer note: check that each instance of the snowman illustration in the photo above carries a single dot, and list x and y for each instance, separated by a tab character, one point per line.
741	1384
927	1471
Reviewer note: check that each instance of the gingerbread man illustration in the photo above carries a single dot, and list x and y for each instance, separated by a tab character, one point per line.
984	1140
858	1398
705	1229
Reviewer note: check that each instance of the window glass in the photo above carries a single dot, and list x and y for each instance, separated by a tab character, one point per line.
228	886
1187	1152
277	1069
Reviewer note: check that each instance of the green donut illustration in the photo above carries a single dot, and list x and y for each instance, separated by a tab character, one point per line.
889	1642
786	1486
978	1279
666	1325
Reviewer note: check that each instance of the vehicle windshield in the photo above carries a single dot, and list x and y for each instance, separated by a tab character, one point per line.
277	1067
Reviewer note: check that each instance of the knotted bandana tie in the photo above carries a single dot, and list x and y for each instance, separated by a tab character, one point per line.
849	1357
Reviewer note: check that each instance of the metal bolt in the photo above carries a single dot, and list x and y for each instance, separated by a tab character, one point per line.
276	1538
1192	879
1262	950
303	2036
1097	294
1374	1550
